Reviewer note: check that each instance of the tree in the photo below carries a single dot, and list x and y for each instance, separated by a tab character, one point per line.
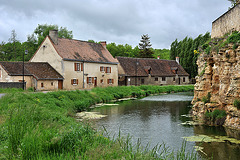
145	47
43	30
13	40
173	50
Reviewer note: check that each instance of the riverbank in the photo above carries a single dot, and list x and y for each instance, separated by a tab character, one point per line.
43	126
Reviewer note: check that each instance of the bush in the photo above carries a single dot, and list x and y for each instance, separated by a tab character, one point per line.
216	114
234	38
206	99
236	103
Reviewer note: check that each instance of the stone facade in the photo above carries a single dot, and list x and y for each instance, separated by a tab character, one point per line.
10	72
57	52
219	75
176	80
149	71
226	23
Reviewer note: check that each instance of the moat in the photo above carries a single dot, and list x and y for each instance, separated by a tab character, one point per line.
158	119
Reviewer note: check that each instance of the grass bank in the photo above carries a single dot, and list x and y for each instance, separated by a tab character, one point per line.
42	126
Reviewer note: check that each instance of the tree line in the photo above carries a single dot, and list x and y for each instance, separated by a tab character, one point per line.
187	51
13	50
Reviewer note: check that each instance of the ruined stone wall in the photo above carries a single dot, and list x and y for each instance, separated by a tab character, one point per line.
228	22
219	75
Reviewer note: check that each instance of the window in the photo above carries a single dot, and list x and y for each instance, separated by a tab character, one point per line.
142	81
110	81
101	81
51	83
0	73
90	80
163	78
78	66
156	79
183	79
42	85
74	81
174	79
102	69
108	69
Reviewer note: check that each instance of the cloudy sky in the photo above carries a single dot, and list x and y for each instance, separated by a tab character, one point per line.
119	21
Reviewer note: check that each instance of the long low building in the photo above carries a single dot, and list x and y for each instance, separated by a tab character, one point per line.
38	75
148	71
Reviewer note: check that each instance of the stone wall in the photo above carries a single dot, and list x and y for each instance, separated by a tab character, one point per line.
226	23
219	75
11	84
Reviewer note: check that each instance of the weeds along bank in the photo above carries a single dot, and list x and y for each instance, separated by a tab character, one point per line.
42	126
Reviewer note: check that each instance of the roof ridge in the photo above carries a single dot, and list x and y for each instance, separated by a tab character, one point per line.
144	58
78	40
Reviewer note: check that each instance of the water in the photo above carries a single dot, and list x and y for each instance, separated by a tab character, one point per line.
157	119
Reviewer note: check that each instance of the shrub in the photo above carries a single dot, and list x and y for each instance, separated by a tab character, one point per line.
216	114
236	103
206	99
234	38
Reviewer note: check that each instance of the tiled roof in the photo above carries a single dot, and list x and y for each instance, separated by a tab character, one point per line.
70	49
40	70
157	67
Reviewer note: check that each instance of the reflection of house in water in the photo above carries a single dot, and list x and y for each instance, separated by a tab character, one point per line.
148	71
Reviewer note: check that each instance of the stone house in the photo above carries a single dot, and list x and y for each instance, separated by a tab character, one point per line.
226	23
38	75
147	71
82	64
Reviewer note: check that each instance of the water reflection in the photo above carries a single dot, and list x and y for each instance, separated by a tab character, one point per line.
157	119
153	122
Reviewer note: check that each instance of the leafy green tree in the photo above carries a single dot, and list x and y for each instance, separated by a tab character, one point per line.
43	30
173	50
145	47
186	50
162	53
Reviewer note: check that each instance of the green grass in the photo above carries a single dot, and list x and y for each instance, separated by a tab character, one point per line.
10	90
42	126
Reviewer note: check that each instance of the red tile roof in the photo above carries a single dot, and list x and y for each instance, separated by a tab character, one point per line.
70	49
40	70
157	67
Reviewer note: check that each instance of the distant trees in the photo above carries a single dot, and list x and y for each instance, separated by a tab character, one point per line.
187	50
145	47
42	31
13	49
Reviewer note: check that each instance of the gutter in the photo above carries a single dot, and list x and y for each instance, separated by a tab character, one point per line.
76	60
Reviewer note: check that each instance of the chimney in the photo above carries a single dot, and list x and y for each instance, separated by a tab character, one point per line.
104	44
158	57
53	34
177	60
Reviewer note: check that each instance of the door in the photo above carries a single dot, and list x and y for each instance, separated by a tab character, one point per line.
95	81
60	84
